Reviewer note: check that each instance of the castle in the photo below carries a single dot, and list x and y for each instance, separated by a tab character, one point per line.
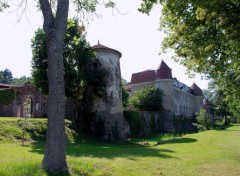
178	98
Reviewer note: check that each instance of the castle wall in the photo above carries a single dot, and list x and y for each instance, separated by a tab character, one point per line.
183	102
166	86
198	103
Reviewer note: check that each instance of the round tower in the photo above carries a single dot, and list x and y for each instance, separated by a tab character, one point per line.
109	108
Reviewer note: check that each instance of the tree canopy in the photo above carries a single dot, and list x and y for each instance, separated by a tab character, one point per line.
6	76
3	5
78	59
205	37
82	80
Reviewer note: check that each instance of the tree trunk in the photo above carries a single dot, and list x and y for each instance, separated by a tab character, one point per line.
55	156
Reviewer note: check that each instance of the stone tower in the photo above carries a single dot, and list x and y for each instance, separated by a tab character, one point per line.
109	108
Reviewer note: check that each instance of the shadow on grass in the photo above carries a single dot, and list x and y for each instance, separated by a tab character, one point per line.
223	127
228	127
110	151
177	141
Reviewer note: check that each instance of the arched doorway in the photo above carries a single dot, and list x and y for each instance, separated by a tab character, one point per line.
28	107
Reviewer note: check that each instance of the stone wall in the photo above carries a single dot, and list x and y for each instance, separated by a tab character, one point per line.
146	123
28	101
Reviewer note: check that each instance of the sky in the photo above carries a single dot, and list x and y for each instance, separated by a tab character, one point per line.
134	34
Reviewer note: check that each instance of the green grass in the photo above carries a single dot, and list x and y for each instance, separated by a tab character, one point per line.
210	153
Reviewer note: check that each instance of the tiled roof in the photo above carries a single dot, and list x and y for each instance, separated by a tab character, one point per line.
145	76
100	47
196	90
163	65
163	71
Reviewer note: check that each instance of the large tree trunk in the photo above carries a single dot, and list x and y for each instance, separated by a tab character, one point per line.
55	156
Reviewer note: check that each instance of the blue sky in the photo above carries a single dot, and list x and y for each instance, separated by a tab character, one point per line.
134	34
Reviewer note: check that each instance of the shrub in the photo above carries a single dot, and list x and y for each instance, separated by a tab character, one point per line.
147	99
203	121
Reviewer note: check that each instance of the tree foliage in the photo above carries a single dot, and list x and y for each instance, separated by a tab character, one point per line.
203	121
77	58
23	80
3	5
205	37
6	76
125	93
83	81
147	99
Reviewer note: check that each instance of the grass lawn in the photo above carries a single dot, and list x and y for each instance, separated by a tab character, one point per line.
210	153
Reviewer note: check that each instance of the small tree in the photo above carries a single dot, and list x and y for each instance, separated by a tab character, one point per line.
147	99
25	125
203	121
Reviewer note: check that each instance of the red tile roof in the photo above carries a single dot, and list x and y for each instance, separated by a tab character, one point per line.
162	72
163	65
145	76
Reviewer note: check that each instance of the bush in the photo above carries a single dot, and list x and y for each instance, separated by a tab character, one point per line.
203	121
147	99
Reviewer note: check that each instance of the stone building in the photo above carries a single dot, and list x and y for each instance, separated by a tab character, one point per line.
178	99
27	101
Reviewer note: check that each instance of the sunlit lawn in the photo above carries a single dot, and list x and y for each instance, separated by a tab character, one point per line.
210	153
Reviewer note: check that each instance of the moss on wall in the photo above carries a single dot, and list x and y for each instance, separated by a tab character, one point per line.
7	96
136	125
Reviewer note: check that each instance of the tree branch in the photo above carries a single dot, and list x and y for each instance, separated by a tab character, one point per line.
62	13
47	14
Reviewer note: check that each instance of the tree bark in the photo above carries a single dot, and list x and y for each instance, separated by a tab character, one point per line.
55	26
